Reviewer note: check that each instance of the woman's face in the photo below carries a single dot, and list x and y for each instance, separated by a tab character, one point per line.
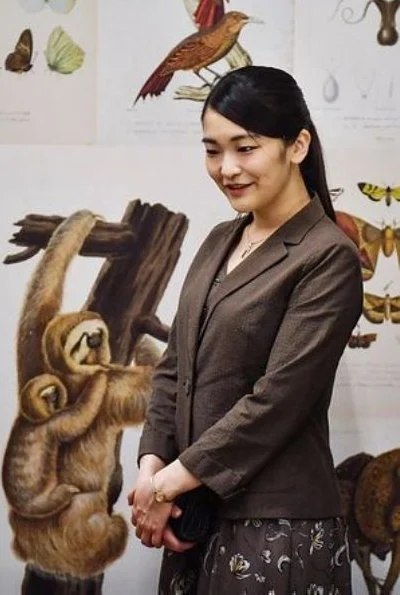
253	171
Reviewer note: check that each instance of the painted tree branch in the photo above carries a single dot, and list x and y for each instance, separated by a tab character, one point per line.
106	239
128	290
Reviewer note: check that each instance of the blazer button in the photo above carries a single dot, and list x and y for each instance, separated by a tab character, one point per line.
188	387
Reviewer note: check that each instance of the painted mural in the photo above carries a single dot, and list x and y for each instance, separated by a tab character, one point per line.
60	467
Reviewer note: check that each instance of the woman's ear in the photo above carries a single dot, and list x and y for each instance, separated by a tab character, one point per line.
299	148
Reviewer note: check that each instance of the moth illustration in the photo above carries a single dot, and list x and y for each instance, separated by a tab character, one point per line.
377	193
62	54
20	59
370	240
361	340
376	309
335	192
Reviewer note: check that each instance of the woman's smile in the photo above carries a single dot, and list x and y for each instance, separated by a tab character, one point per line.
237	190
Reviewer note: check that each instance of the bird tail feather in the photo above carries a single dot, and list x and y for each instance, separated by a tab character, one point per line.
155	84
207	14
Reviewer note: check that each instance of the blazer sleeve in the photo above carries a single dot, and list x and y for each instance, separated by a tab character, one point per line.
158	436
323	309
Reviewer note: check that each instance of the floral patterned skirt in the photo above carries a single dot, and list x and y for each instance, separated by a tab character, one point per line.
263	557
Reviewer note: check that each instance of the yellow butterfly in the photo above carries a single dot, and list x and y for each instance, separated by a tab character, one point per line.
369	240
377	193
62	54
376	309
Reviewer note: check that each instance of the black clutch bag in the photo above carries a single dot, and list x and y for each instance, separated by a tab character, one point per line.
199	507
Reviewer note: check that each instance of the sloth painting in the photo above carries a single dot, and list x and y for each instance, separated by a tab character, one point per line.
73	402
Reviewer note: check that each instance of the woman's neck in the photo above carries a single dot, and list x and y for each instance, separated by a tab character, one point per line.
281	210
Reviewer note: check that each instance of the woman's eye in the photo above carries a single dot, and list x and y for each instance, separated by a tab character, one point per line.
246	148
211	152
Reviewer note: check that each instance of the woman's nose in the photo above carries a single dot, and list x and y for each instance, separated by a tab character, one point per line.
229	166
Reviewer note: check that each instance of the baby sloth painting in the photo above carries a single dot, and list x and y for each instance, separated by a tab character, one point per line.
61	449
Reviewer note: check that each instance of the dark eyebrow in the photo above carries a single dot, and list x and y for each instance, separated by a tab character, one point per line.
235	138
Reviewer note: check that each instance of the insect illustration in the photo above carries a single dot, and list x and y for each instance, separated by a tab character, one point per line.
197	52
62	54
377	193
370	240
360	340
20	59
376	309
60	6
336	192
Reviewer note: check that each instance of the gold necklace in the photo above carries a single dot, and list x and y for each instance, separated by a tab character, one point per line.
250	244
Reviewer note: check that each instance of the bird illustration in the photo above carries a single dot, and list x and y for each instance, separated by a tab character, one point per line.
197	51
206	13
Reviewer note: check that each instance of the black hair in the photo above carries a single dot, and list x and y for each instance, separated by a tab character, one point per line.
268	101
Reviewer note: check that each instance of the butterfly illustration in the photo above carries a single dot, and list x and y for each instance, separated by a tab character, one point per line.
60	6
376	309
360	340
20	59
369	240
377	193
62	54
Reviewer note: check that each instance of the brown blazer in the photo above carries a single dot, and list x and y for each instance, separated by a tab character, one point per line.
244	405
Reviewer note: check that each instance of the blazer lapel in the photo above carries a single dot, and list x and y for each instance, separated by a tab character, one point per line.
205	272
264	257
267	255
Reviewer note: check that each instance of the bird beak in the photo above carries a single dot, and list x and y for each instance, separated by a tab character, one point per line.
255	20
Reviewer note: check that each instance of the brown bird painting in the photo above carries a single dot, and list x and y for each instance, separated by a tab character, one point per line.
197	51
206	13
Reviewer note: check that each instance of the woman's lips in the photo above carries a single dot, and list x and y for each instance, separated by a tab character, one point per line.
237	189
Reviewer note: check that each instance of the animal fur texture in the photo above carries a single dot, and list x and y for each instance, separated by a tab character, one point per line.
29	474
89	461
73	446
80	541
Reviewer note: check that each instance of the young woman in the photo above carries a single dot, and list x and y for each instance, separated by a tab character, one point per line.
242	392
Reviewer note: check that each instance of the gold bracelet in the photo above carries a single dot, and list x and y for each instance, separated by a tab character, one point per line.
158	495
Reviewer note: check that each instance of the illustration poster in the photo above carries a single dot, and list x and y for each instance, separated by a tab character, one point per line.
364	410
347	59
148	90
91	72
48	74
368	379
